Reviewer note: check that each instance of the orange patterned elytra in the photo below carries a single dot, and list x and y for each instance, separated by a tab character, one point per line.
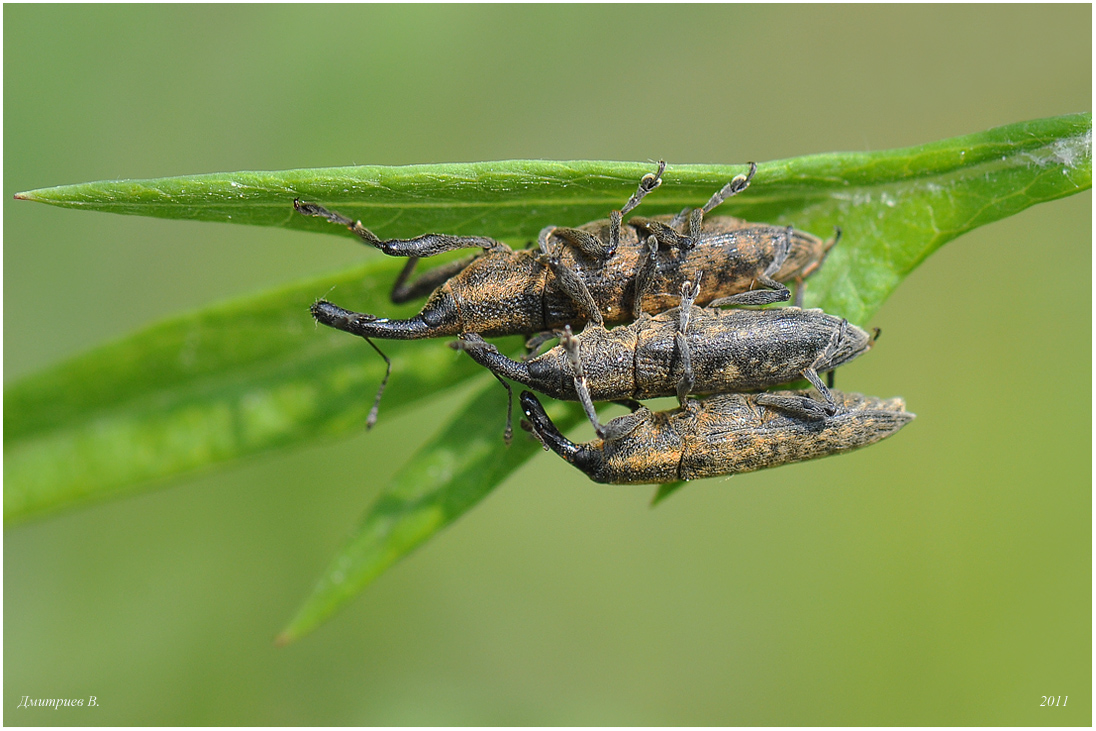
721	435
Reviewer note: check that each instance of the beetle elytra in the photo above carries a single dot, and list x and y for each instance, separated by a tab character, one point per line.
685	350
722	435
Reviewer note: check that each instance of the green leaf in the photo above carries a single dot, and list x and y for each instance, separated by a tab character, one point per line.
255	374
664	491
440	482
236	379
514	199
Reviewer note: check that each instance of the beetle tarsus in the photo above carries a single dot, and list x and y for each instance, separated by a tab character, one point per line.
420	246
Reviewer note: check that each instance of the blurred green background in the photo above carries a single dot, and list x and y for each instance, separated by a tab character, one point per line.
942	577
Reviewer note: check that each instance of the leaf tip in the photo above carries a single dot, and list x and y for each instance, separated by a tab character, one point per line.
664	491
302	624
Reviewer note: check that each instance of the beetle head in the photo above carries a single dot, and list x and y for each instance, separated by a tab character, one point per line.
580	455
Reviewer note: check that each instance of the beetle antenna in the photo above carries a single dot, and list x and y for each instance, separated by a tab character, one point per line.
507	433
372	418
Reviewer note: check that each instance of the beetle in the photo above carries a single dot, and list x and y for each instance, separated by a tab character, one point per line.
722	435
601	272
684	350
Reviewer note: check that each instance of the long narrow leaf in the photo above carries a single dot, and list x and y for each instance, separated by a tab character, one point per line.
200	389
514	199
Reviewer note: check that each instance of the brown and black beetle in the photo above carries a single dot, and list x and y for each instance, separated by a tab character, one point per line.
604	271
722	435
685	350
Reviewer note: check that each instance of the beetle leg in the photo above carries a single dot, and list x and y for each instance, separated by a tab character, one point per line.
738	184
647	183
811	374
592	245
536	342
571	283
696	226
803	407
779	293
668	235
782	248
624	425
830	406
689	293
665	234
839	333
569	280
676	221
572	348
648	264
617	428
615	217
542	241
775	291
370	326
696	219
427	282
836	237
586	242
420	246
